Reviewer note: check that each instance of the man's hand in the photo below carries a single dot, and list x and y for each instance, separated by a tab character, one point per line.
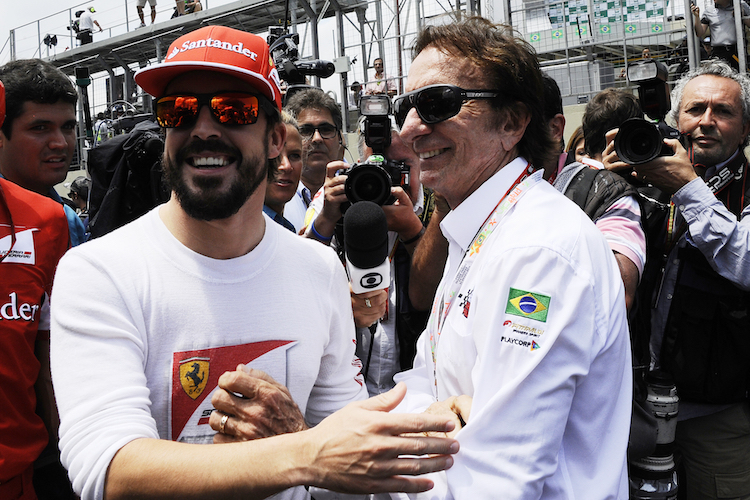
401	217
457	408
668	173
360	448
368	307
333	197
266	408
609	156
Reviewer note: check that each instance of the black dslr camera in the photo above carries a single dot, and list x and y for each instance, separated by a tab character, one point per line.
640	141
372	180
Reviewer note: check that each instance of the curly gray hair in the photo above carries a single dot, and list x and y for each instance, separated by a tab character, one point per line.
717	68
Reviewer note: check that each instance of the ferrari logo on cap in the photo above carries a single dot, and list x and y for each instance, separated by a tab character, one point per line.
194	376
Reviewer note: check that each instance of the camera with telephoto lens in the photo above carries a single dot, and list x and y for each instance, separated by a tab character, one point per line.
283	49
372	180
640	141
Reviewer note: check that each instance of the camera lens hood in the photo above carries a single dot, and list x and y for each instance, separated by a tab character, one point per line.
368	183
638	141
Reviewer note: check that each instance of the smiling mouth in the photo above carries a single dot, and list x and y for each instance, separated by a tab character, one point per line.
430	154
209	162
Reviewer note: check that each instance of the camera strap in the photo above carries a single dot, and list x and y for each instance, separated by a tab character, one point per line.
729	172
446	295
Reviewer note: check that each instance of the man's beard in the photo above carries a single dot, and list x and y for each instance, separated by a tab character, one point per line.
708	158
205	201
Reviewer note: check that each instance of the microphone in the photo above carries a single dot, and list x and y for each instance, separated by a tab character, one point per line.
366	247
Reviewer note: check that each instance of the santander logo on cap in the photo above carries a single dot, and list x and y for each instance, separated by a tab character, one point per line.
209	42
216	48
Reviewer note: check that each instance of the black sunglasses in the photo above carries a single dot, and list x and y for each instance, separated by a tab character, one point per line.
436	103
229	108
326	130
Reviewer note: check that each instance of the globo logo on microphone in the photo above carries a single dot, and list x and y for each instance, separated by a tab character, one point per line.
371	280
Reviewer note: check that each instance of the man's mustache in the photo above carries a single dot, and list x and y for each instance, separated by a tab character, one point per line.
197	146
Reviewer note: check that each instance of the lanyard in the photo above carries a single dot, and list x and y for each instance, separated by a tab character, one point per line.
443	302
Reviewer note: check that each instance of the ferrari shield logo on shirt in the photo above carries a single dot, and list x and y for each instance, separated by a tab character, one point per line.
194	376
527	304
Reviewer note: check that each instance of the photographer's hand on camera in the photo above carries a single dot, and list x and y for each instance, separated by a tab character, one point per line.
610	159
402	219
368	307
668	173
333	197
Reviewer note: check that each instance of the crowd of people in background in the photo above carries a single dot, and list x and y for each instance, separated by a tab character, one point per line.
532	285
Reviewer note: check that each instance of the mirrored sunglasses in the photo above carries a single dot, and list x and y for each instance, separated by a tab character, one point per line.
229	108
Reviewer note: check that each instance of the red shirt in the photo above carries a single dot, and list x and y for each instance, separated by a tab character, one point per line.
26	272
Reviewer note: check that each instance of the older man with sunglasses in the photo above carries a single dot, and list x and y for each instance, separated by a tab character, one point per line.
529	319
200	286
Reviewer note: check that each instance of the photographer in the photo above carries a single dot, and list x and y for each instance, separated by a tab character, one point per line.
384	318
320	125
700	315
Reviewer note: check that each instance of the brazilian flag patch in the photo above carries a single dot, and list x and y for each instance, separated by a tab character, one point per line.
527	304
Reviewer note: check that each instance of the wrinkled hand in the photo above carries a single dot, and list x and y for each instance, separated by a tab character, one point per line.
609	157
457	408
360	448
365	316
668	173
400	215
267	408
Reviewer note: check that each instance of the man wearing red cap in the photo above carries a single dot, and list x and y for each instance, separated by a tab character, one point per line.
200	286
33	237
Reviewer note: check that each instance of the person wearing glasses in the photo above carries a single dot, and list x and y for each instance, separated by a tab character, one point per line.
320	125
529	319
184	327
387	323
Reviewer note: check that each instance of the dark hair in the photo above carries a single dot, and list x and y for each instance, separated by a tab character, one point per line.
36	81
607	110
272	119
575	138
552	98
509	65
315	98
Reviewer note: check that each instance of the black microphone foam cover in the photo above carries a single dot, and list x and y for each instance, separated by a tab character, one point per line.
365	235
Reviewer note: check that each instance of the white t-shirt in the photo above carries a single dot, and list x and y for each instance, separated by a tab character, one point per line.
139	343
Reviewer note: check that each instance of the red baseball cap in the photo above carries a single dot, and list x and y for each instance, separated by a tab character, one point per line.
2	104
216	48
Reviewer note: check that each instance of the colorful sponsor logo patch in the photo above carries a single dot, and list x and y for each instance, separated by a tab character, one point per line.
527	304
